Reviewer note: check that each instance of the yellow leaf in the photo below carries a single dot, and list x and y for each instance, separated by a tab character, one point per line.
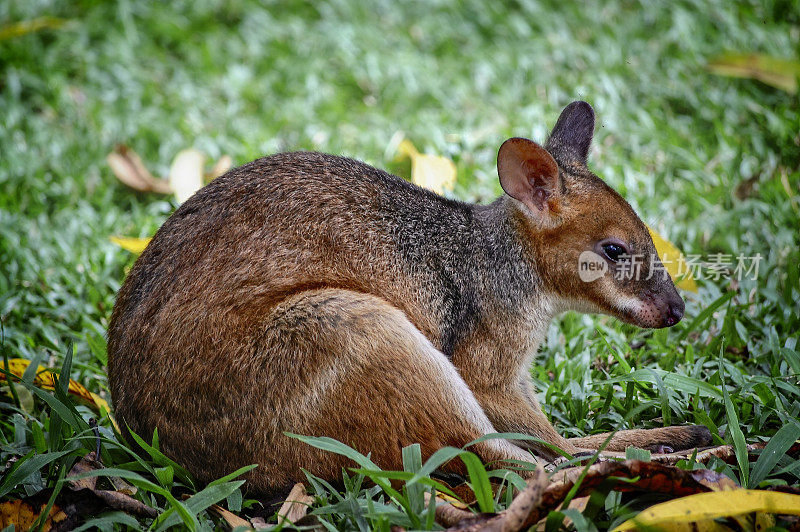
673	261
774	71
186	173
134	245
452	500
433	172
46	379
23	27
697	512
23	514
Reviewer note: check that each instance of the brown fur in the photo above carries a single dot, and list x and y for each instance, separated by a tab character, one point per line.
314	294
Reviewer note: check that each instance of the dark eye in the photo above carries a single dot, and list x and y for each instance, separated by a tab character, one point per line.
614	251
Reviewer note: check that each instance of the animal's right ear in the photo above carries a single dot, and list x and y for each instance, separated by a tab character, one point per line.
572	134
528	173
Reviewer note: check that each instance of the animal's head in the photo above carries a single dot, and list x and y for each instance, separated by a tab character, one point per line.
590	248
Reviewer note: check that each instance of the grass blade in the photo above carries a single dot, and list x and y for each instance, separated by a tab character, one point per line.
739	443
479	480
705	314
198	502
775	449
436	460
334	446
26	466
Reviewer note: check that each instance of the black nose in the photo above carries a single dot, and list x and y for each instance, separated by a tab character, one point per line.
675	312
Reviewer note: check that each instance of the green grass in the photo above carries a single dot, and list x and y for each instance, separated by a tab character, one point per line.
247	80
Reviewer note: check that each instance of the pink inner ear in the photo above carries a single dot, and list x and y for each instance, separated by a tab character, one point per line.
542	169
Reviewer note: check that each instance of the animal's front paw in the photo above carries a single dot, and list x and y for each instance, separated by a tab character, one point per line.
659	448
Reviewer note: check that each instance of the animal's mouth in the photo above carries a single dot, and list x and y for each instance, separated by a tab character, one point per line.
657	312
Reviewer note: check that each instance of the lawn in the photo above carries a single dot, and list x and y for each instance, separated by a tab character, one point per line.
711	162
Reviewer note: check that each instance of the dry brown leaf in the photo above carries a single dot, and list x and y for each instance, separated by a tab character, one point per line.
232	520
129	168
531	506
578	503
118	500
650	476
296	504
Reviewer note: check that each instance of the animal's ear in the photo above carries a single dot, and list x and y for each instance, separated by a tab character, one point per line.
528	173
572	134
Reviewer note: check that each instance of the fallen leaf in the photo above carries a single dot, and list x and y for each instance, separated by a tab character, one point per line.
541	496
23	514
448	513
452	500
222	165
704	507
129	168
118	500
642	476
714	481
578	503
46	379
674	261
745	188
433	172
774	71
186	173
296	504
23	27
134	245
232	520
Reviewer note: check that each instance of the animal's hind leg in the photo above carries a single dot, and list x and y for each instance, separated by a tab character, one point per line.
357	370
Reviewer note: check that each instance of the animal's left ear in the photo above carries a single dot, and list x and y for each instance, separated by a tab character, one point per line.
572	135
528	173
